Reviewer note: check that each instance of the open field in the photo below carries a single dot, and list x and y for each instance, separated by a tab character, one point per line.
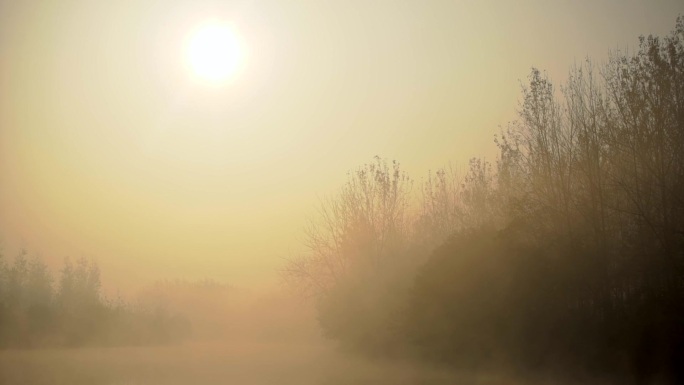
245	363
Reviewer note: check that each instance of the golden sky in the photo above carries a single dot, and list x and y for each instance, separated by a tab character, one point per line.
110	148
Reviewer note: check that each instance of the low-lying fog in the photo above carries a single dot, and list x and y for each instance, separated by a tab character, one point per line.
237	337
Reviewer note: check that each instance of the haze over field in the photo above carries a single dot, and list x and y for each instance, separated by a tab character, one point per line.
398	191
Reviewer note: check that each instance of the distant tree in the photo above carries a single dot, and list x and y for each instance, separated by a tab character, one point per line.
4	300
34	312
39	292
17	280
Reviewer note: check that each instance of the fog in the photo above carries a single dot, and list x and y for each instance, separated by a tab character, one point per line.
236	335
250	338
250	363
333	193
111	149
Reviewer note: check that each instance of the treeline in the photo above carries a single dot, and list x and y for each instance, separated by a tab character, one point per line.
207	304
565	254
39	309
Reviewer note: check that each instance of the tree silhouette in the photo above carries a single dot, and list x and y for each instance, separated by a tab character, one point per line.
35	312
590	234
567	254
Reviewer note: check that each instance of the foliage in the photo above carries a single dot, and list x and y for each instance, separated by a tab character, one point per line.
357	249
586	267
567	254
34	311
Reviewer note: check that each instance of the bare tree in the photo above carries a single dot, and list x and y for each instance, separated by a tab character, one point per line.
358	231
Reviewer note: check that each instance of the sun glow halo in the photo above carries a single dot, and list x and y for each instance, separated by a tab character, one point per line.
214	52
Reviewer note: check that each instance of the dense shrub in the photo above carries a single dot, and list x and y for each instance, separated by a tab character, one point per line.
583	267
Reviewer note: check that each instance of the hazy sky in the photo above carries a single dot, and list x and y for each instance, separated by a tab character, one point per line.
110	148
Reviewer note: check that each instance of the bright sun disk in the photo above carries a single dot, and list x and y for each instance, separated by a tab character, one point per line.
214	52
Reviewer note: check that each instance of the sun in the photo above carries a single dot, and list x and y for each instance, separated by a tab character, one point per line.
214	52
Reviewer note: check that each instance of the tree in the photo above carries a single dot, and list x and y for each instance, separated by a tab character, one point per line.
359	231
586	264
358	249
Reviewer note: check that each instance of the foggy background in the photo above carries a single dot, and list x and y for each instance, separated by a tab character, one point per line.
110	150
392	192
